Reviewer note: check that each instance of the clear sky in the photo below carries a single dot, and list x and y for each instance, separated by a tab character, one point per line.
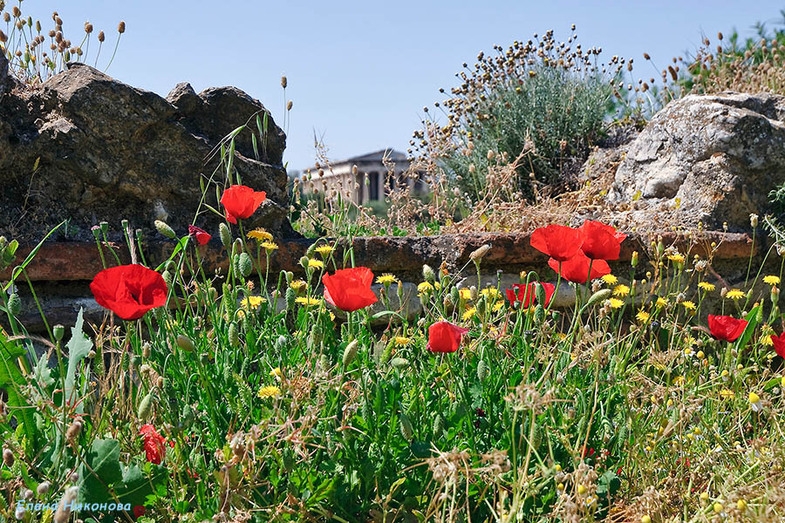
361	71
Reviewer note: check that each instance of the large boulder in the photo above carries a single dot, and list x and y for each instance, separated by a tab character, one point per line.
709	159
86	148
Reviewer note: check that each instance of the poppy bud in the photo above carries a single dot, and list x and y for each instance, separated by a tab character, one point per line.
233	335
600	295
8	457
14	304
58	331
43	488
482	370
438	425
73	430
225	235
350	352
402	363
407	431
479	253
185	343
244	264
143	411
163	228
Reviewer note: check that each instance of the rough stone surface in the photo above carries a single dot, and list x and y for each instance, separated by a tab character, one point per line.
710	159
86	148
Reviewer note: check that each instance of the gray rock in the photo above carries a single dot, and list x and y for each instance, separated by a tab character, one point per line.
710	159
87	148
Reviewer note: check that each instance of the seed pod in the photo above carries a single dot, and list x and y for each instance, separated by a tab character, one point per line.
8	457
58	331
399	363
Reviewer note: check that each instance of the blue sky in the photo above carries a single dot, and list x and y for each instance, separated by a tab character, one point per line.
360	72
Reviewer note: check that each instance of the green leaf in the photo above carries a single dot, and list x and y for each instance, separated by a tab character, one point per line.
79	347
12	380
102	470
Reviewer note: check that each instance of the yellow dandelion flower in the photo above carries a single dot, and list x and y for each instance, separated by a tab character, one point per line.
610	279
315	264
465	294
260	235
706	286
676	258
386	279
276	373
621	290
689	305
425	288
307	301
401	341
269	246
661	302
616	303
771	280
498	306
642	316
766	340
678	381
269	391
298	285
252	302
755	403
469	313
325	250
490	293
735	294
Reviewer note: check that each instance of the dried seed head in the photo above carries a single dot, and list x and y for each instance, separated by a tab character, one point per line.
289	105
101	36
88	27
121	27
284	82
646	56
8	457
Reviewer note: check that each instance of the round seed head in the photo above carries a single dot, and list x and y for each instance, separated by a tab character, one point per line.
88	27
121	27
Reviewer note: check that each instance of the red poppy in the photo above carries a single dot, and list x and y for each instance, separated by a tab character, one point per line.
241	202
576	269
600	241
201	236
779	344
349	289
129	290
524	295
726	328
154	444
443	336
557	241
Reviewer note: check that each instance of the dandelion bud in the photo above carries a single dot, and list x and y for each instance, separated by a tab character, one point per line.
350	352
145	406
8	457
634	259
284	82
775	294
165	230
185	343
121	27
